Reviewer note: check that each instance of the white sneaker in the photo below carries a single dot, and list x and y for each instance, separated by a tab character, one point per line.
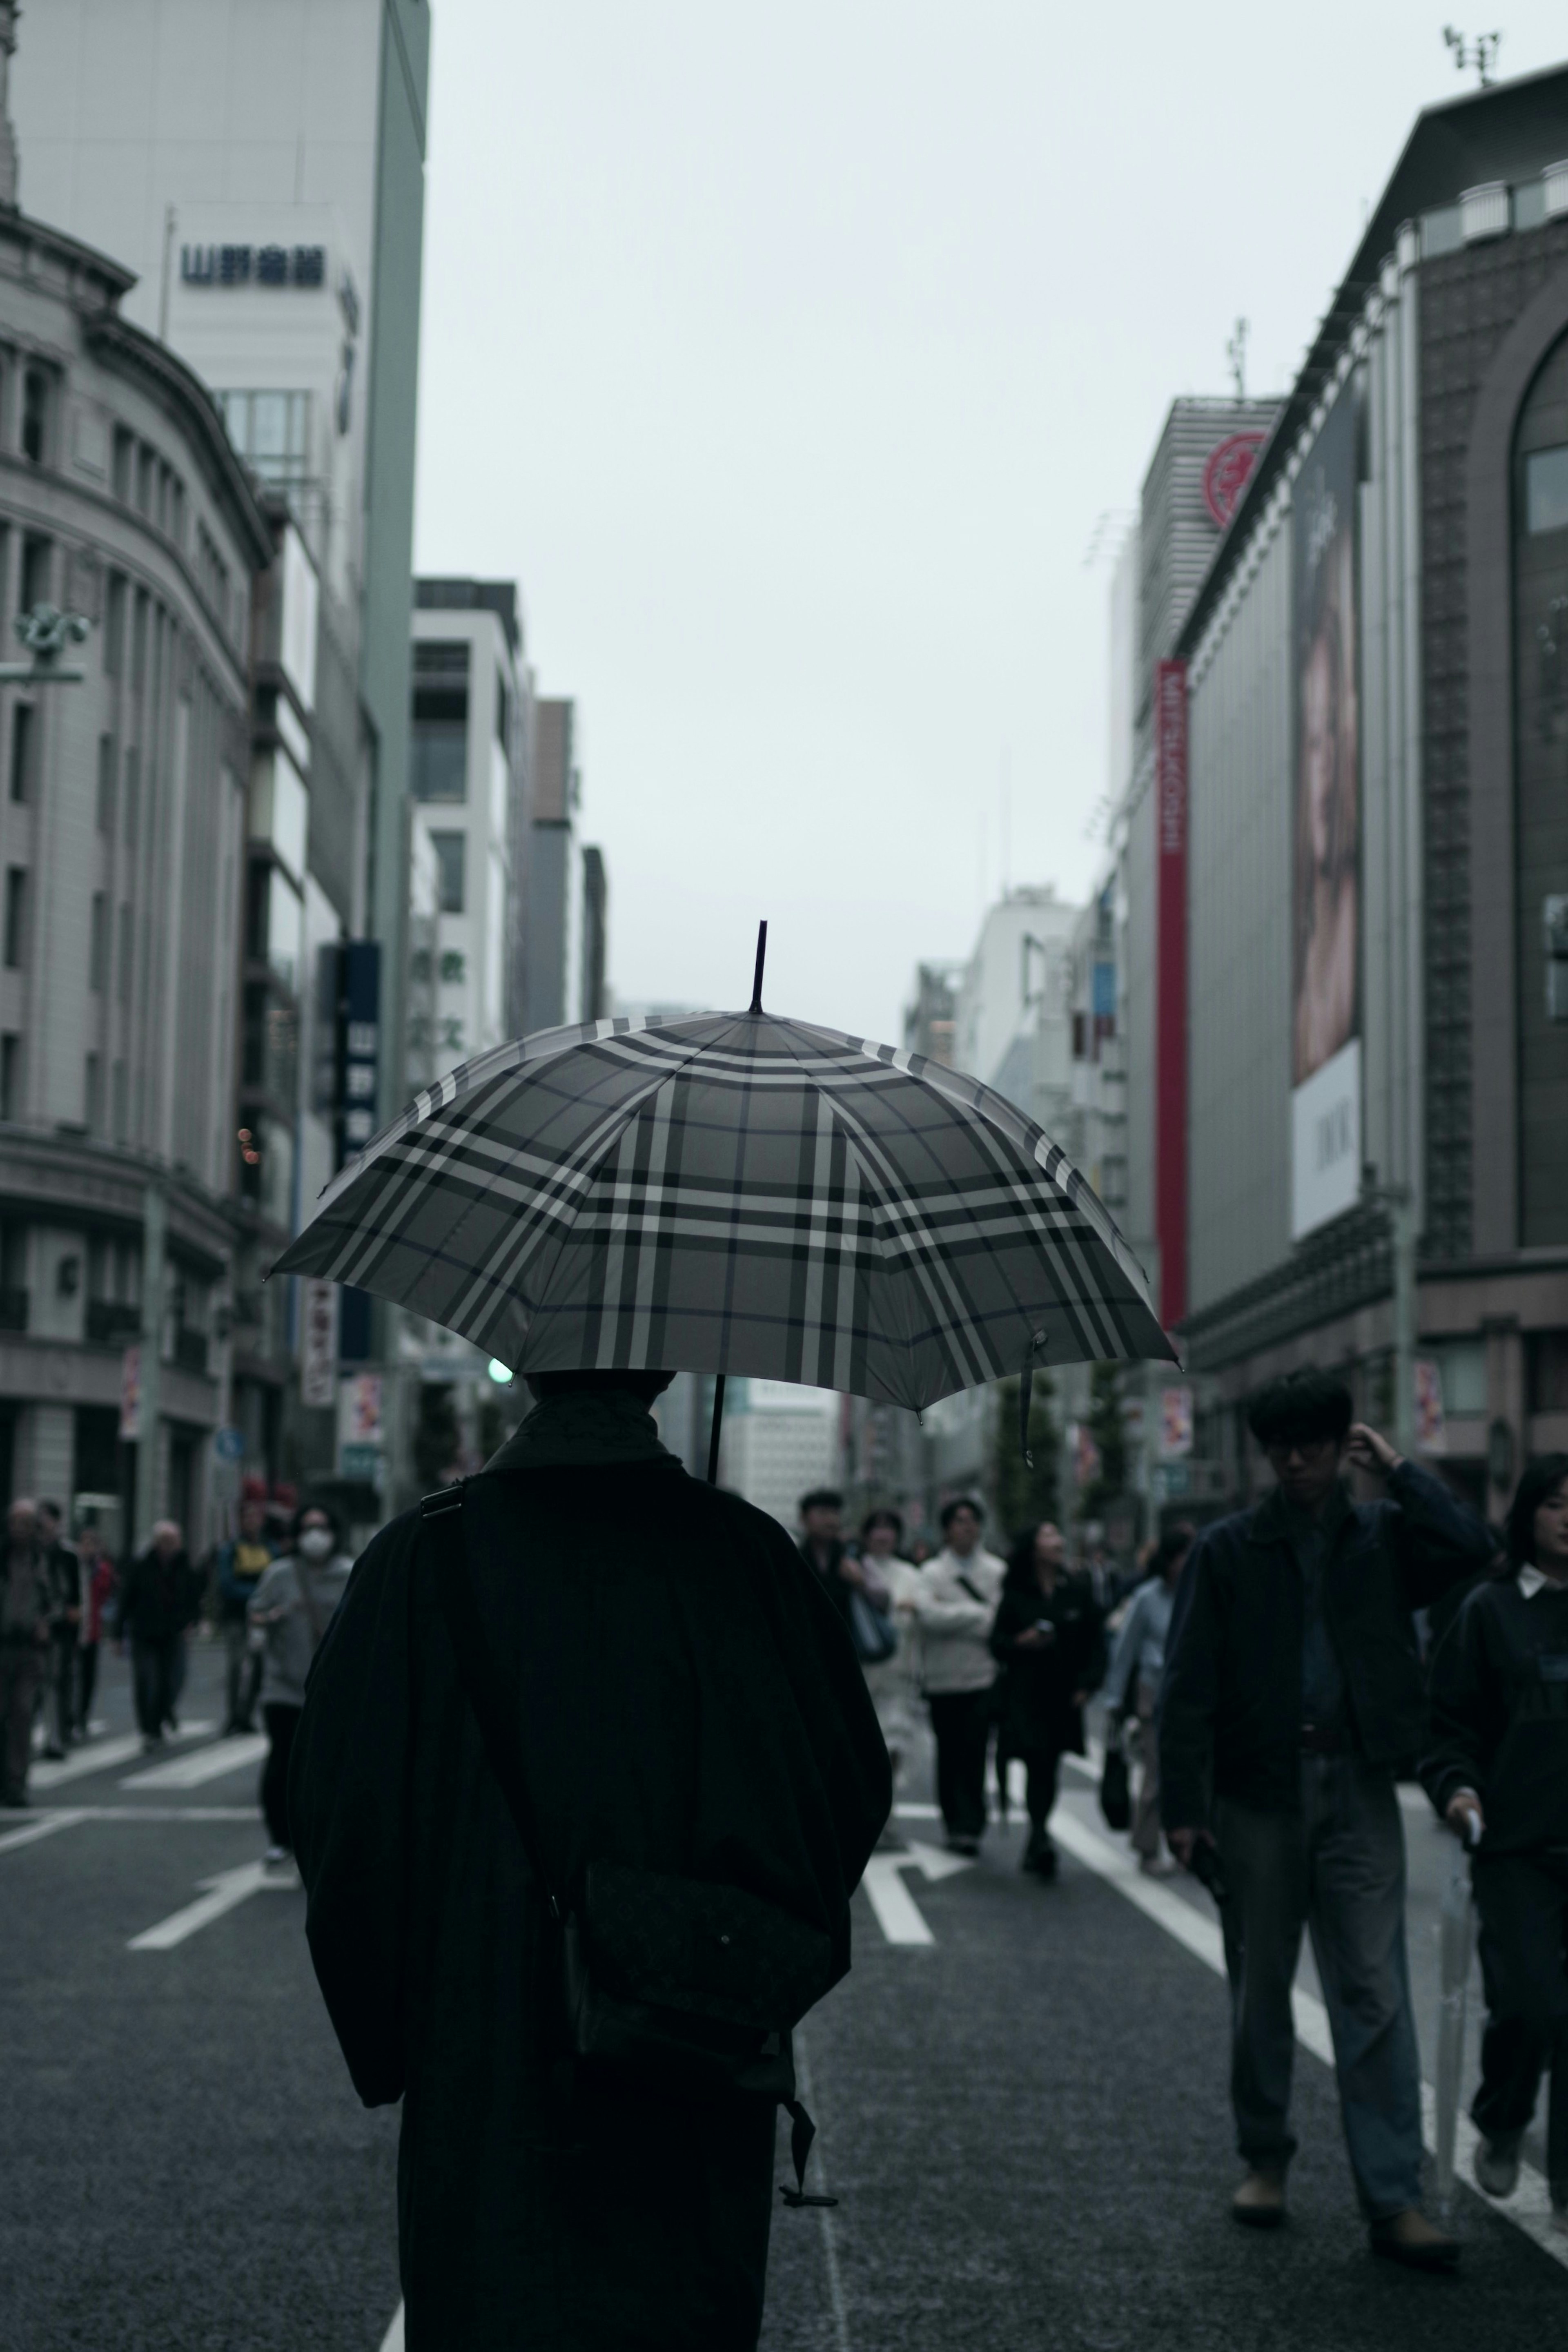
1496	2164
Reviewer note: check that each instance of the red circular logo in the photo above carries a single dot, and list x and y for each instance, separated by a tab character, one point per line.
1225	473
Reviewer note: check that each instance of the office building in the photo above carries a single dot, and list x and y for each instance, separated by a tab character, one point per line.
779	1441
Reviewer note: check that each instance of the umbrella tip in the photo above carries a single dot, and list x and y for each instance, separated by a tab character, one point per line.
755	1005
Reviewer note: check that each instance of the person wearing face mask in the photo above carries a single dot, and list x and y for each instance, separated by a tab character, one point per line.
1498	1773
292	1607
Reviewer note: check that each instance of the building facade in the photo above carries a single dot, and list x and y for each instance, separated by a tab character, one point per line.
123	812
1370	724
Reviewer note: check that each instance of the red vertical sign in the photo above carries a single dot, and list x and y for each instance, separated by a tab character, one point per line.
1170	1024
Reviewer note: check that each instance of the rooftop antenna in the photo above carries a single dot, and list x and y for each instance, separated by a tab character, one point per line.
1481	52
1236	353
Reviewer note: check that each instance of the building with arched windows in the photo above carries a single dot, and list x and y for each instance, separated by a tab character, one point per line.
122	830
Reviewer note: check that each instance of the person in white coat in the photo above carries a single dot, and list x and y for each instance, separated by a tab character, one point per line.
954	1601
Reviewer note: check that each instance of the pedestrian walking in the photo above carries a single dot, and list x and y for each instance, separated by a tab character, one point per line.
1499	1770
1131	1685
241	1563
98	1586
1292	1686
1048	1639
953	1603
158	1600
27	1606
892	1681
64	1572
291	1608
668	1694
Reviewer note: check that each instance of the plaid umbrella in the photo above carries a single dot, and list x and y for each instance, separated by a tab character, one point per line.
734	1192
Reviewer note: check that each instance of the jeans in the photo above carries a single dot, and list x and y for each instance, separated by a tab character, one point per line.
1523	1899
244	1676
157	1670
282	1723
1336	1867
962	1723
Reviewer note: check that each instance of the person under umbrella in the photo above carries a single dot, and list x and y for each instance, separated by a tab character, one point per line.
1049	1638
1498	1771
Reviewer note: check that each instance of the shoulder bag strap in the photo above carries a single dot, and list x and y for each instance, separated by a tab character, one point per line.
441	1515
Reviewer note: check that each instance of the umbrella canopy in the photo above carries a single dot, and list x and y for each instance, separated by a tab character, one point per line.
734	1193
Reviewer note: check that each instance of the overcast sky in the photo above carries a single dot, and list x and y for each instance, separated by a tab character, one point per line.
786	355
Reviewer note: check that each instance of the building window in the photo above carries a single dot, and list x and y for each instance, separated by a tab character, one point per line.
98	944
35	416
439	735
106	762
15	941
114	625
10	1075
176	510
271	431
93	1094
449	850
138	641
132	794
124	461
122	1105
23	725
123	982
1546	491
146	480
36	552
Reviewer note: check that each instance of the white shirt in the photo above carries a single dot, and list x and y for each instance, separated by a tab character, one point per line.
955	1627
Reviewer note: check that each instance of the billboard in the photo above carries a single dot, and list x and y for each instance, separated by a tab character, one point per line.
1326	879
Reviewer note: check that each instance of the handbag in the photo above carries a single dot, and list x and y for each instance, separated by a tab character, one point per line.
685	1988
874	1635
1115	1790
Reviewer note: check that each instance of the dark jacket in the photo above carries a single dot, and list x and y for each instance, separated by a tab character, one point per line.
236	1592
687	1701
1036	1695
1231	1708
1500	1714
837	1587
158	1598
64	1570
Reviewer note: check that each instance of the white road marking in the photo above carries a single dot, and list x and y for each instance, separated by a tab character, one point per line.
897	1914
161	1812
824	2213
1530	2207
208	1764
34	1830
393	2340
228	1889
103	1757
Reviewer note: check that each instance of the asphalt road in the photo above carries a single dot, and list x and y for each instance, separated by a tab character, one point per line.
1024	2115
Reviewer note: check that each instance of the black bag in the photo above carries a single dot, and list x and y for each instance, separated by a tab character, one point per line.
685	1987
872	1631
1115	1790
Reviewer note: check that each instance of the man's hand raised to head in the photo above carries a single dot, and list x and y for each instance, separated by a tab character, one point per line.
1366	1450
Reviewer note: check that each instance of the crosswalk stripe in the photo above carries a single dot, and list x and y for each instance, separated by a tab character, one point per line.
102	1756
208	1764
393	2340
34	1830
225	1893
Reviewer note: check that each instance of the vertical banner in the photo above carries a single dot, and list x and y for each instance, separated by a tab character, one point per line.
1170	1024
318	1343
1325	893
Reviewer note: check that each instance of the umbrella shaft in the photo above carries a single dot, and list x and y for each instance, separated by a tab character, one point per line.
717	1425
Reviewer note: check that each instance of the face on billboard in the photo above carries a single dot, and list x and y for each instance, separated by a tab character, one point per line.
1326	926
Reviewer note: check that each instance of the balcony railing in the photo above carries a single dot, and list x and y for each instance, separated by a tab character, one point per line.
13	1310
111	1323
191	1350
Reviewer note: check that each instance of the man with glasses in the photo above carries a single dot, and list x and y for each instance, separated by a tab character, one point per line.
1293	1693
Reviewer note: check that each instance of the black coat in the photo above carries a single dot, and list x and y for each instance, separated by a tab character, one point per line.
837	1587
1500	1714
1230	1703
687	1702
1035	1702
158	1598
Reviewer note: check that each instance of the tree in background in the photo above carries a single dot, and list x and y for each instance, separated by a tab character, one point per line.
438	1439
1024	1496
1109	1429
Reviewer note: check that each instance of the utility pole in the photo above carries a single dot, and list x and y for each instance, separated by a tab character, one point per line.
1481	52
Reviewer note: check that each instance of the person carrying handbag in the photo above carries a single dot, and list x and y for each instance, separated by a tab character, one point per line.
290	1610
586	1775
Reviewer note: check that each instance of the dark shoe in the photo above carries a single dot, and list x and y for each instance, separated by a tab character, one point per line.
15	1801
1497	2163
1410	2239
965	1845
54	1752
1260	2202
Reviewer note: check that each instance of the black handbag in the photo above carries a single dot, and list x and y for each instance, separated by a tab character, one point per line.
1115	1789
683	1987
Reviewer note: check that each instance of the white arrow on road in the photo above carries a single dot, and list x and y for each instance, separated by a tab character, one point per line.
229	1888
897	1913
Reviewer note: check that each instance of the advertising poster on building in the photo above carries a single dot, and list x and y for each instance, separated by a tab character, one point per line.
1325	994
